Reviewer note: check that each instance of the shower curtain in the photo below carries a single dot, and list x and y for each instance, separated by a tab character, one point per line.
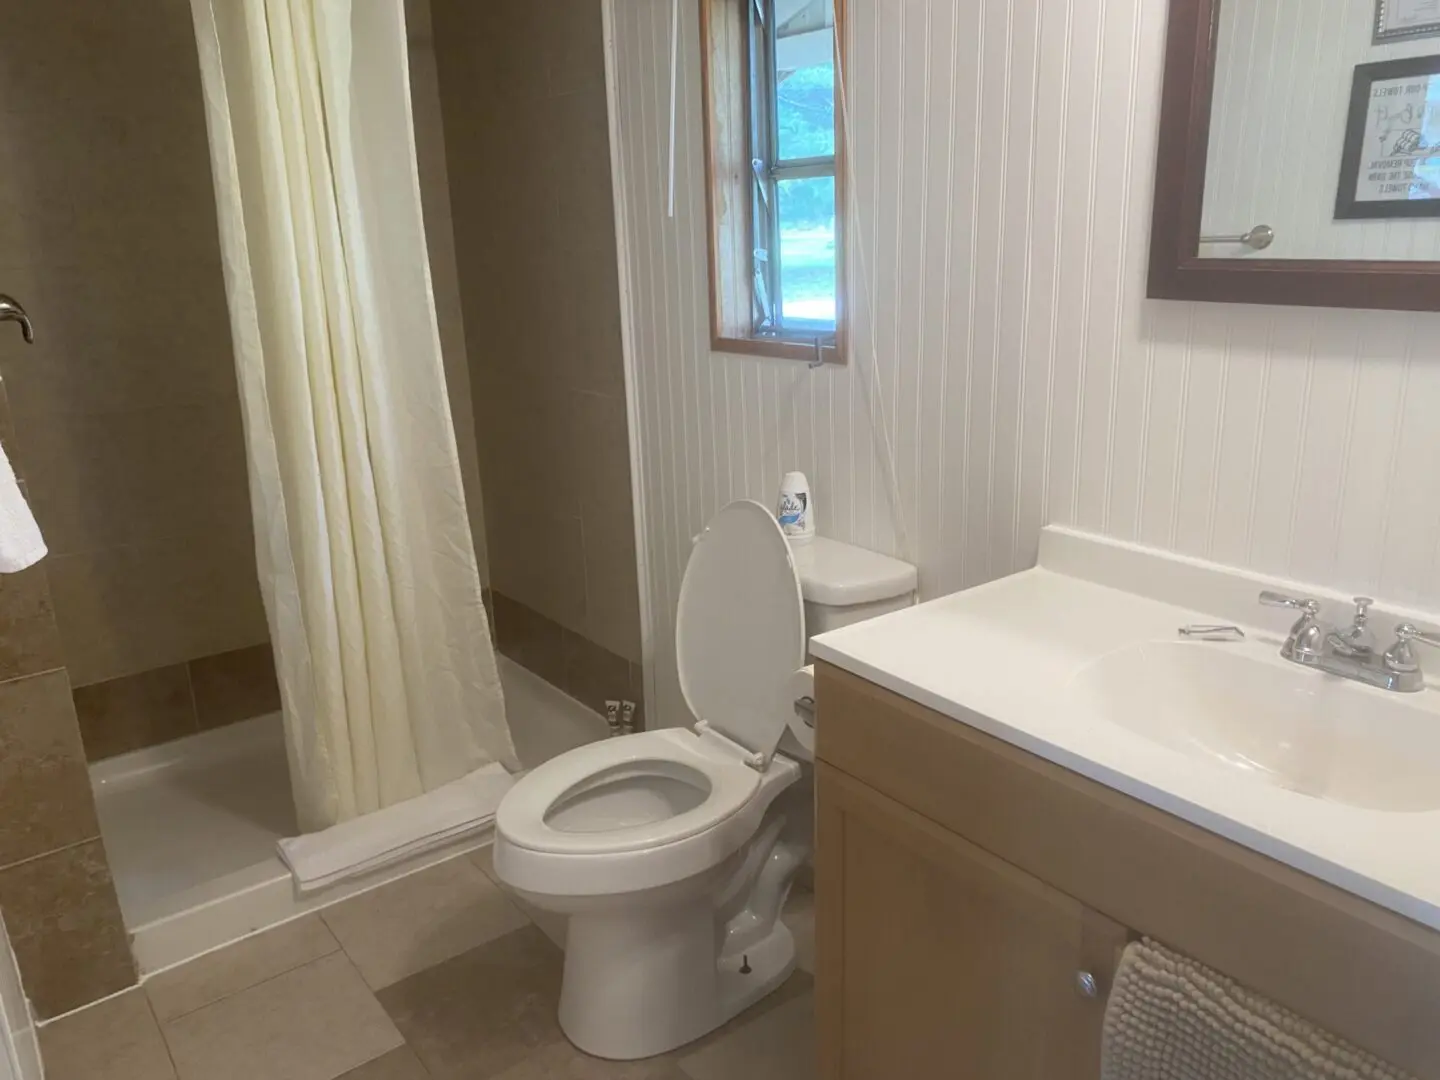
364	550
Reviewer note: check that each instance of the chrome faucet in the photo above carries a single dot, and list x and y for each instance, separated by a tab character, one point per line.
1350	653
1306	641
1357	639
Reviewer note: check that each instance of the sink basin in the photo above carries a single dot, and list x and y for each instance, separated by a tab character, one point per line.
1272	722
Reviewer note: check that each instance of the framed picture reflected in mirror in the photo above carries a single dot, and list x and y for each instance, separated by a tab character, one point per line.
1390	166
1399	19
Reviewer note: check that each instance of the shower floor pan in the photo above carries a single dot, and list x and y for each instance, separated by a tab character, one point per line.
190	826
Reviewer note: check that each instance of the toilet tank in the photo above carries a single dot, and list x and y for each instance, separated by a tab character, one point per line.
844	584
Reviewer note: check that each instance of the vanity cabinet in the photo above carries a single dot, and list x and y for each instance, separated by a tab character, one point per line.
954	962
964	887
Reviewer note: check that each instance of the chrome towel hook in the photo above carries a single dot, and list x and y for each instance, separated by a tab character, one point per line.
10	310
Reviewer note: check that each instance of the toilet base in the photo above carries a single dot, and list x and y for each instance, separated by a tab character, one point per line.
641	983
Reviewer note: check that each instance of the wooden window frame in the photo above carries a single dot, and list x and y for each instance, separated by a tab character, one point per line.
725	80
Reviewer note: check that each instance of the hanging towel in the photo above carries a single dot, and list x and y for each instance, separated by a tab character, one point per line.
20	542
458	810
1170	1018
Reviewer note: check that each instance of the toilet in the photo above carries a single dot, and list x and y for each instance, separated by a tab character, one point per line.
672	851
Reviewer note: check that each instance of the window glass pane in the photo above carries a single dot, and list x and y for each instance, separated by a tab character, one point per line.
807	252
804	79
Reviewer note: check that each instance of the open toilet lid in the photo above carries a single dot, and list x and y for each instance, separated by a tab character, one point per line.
740	627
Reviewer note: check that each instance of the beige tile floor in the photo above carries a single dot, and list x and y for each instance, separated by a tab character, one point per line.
437	976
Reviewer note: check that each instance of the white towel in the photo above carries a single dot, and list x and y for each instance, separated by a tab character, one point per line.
460	809
20	542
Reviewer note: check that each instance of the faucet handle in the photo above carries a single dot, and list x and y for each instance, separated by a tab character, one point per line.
1400	656
1274	599
1410	632
1362	608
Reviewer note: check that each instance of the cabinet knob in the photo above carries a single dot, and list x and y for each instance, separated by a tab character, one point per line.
1085	983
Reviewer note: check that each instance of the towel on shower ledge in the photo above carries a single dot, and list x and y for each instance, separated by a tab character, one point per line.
1171	1018
460	810
21	544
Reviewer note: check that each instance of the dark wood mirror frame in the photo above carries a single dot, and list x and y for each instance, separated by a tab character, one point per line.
1176	270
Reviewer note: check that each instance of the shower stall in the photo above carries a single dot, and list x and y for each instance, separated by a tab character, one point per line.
124	422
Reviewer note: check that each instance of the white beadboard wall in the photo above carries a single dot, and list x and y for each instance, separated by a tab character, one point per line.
1282	95
1007	370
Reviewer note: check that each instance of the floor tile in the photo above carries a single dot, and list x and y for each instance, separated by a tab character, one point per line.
422	920
483	1012
240	966
313	1023
554	925
401	1064
114	1040
800	984
778	1044
561	1061
799	916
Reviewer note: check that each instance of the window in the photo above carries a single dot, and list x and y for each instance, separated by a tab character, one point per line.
774	200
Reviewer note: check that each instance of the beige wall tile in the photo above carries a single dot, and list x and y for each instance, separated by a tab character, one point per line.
235	686
100	480
113	1040
539	559
92	351
126	403
45	798
527	137
637	695
529	638
124	610
594	675
240	966
135	711
612	589
599	455
29	638
421	920
313	1023
574	50
526	443
66	927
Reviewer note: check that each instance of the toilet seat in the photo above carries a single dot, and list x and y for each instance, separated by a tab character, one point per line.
740	629
739	639
526	818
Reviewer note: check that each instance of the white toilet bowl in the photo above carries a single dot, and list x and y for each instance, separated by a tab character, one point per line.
672	851
638	840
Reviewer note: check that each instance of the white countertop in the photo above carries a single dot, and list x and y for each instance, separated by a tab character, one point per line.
999	658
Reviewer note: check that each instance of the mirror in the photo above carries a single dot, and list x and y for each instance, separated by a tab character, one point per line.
1300	154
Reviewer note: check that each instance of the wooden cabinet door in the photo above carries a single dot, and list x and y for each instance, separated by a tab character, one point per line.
936	959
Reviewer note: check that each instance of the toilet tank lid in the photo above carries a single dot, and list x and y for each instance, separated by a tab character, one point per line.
838	574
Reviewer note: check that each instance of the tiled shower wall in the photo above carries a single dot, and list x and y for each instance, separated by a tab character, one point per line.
126	406
55	889
522	87
126	411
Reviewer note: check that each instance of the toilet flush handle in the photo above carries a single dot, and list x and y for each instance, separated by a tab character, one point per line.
805	706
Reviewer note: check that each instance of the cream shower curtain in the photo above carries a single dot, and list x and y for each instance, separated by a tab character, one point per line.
364	549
